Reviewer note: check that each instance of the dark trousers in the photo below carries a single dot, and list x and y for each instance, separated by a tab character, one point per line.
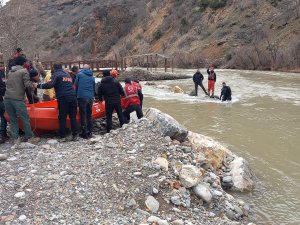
32	95
130	109
109	111
226	98
201	85
141	97
3	124
85	110
67	107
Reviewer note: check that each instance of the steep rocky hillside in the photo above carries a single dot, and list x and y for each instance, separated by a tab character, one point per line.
237	34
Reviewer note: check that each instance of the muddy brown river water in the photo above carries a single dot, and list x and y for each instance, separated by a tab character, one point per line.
262	124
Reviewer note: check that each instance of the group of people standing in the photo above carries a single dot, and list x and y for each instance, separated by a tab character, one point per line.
72	89
212	78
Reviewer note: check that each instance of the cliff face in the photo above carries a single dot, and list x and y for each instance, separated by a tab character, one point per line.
245	34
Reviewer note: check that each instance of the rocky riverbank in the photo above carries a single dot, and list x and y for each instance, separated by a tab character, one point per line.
151	171
144	75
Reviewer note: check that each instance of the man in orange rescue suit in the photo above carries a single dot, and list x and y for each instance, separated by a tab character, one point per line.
66	99
212	77
132	100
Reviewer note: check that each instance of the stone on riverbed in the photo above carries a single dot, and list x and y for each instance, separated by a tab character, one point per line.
212	150
166	124
241	175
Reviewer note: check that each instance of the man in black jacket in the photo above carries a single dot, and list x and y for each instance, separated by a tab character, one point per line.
111	90
225	93
198	78
66	99
3	125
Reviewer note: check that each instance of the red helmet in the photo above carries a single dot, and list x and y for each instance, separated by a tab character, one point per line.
114	73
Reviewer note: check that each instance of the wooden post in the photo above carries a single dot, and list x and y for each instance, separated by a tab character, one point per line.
155	62
147	62
151	63
172	65
165	65
116	61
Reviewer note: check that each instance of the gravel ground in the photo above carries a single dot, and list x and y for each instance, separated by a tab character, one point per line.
109	179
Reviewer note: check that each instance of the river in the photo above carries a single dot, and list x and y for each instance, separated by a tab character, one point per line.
262	124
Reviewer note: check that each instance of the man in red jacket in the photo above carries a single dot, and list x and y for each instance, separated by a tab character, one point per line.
212	78
132	100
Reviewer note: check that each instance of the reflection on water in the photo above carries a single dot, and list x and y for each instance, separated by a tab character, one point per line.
262	124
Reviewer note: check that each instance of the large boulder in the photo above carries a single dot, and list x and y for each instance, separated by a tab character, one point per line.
212	150
167	124
241	175
177	89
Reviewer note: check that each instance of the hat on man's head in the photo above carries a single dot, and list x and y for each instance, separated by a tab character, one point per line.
33	73
74	68
19	49
211	68
114	73
106	73
127	81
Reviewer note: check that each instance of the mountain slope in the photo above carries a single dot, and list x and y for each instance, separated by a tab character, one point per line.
237	34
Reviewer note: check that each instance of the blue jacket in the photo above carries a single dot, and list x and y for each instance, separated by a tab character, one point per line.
85	84
62	83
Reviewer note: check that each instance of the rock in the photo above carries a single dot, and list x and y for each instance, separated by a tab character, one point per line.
187	149
52	142
211	214
3	157
177	89
156	220
178	222
189	176
227	179
176	200
111	145
137	173
213	151
203	192
217	194
166	124
181	197
152	204
154	191
142	212
168	139
241	175
153	219
163	222
131	203
20	194
22	217
24	145
162	162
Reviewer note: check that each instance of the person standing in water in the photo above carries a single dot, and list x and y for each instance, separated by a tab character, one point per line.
225	93
212	78
198	79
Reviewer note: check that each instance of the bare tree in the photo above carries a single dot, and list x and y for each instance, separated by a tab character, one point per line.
13	16
273	48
